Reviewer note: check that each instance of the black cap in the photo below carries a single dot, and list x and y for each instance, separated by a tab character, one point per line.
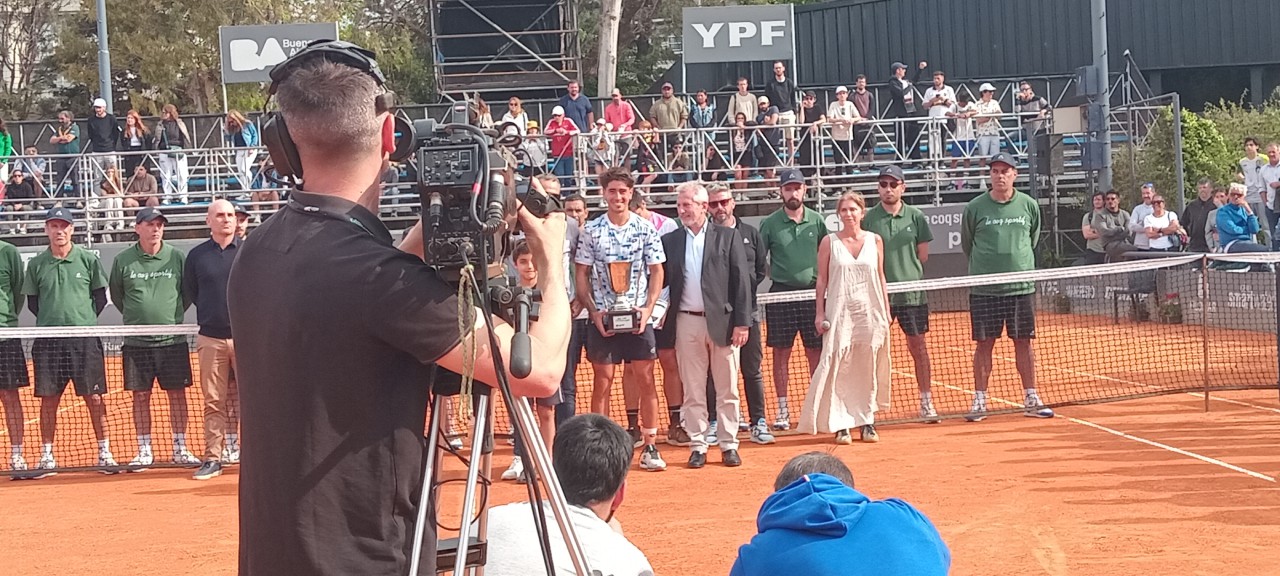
148	214
59	213
240	209
791	176
1004	158
893	171
898	66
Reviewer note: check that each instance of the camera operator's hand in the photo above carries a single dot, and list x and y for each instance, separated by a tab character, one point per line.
546	241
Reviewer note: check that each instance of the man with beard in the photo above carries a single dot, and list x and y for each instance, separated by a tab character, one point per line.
791	237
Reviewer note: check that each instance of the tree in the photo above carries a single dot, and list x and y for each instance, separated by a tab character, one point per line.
1204	154
1237	121
28	29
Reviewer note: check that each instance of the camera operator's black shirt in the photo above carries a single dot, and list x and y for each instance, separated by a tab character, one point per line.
333	328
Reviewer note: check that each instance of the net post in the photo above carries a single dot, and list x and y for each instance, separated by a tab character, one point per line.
1276	306
1204	324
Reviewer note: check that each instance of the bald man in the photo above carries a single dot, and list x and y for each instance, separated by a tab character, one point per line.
204	283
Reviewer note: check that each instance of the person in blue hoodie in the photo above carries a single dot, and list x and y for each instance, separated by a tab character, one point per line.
1237	224
816	524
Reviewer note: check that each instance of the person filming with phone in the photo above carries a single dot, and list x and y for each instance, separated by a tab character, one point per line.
335	328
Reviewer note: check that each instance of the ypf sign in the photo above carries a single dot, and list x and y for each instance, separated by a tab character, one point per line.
739	33
250	52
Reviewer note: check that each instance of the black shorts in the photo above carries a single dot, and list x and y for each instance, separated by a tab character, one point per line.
665	338
143	365
989	315
619	348
914	320
13	365
784	319
76	359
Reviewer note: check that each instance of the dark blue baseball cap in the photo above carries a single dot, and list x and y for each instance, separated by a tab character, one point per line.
1004	158
892	171
148	214
59	213
791	176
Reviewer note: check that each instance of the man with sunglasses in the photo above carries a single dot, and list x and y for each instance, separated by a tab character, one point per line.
1111	223
906	235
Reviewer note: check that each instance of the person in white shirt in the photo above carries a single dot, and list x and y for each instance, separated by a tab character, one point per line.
740	102
988	122
939	99
1270	175
591	456
516	115
1138	217
842	115
962	147
1161	226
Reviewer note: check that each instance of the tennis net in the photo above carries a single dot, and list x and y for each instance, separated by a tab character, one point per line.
1186	323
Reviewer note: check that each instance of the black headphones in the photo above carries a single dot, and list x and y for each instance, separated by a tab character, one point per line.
275	132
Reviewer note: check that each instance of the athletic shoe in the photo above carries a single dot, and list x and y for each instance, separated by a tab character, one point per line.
107	463
651	460
523	478
712	436
141	461
1036	408
637	439
229	456
17	463
928	414
45	467
869	433
515	470
760	433
210	469
184	457
455	442
843	438
677	436
978	412
730	458
783	422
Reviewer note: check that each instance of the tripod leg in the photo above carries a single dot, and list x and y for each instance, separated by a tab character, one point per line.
473	476
426	502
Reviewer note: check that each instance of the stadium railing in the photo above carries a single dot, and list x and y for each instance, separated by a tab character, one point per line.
1188	323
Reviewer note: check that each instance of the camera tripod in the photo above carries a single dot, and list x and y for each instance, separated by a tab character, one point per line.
467	553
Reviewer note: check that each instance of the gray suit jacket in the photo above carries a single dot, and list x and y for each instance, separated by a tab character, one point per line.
726	280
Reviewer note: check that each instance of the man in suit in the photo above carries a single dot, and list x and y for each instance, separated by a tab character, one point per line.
712	323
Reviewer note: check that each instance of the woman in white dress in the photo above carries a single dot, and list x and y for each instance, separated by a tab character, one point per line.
851	381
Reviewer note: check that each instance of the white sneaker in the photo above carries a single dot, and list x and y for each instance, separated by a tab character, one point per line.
783	422
1035	408
17	463
651	460
184	457
46	466
515	470
107	463
978	412
455	442
712	437
141	461
928	414
231	455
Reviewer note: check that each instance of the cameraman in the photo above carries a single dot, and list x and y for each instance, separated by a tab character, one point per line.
335	328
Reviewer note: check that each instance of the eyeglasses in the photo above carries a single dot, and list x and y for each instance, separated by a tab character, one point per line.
888	184
719	203
1158	202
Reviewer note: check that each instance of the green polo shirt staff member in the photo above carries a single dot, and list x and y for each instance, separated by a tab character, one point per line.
999	231
65	286
906	236
13	359
146	286
791	236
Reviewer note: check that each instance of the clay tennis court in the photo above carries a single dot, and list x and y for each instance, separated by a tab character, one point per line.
1143	485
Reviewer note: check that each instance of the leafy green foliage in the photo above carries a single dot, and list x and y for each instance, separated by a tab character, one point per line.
1204	154
1236	121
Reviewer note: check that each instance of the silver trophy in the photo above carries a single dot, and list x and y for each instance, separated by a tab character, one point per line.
623	316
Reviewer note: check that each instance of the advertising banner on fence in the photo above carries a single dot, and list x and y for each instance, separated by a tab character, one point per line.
250	52
739	33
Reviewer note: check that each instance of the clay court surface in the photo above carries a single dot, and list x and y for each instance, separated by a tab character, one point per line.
1150	485
1011	495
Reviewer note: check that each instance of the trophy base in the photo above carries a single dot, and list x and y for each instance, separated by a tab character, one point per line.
621	321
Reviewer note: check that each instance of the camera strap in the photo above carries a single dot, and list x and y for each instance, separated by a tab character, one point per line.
298	204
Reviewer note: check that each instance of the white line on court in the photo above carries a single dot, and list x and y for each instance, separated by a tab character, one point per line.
1114	432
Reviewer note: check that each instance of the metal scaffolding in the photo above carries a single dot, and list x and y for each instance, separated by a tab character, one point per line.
503	46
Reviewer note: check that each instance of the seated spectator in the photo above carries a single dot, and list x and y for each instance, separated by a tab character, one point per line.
142	189
19	196
816	524
34	167
1211	222
591	457
1237	224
